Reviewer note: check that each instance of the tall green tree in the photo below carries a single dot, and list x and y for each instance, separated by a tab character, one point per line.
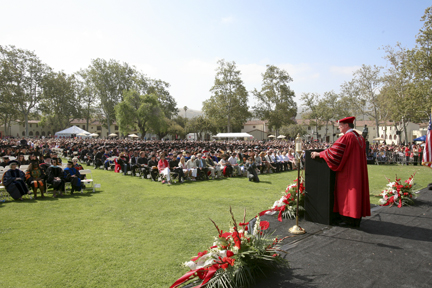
275	99
227	105
291	130
167	104
59	103
87	96
420	64
363	91
311	110
398	98
23	73
140	112
109	79
8	111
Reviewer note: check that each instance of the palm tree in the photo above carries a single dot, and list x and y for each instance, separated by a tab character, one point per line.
185	108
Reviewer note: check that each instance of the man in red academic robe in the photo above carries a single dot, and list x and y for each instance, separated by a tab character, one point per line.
347	157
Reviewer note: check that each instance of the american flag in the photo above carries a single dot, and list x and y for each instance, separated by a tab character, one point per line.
427	152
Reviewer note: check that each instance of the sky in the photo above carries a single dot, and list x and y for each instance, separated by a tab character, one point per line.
319	43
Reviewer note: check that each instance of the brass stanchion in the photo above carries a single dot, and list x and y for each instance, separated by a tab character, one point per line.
296	229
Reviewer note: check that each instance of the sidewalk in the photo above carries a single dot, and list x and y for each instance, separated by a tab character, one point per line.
392	248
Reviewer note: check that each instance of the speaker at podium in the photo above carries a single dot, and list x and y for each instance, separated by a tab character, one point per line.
319	190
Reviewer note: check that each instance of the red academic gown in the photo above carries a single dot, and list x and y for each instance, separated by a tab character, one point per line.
348	159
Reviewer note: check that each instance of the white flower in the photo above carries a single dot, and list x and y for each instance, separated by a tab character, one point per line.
235	250
190	264
257	227
390	184
382	201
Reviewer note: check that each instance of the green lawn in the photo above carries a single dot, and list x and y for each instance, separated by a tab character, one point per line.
133	232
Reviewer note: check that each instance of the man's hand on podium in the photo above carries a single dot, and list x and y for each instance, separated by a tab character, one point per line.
315	154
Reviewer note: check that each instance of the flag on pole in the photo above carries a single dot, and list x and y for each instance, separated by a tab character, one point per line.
427	151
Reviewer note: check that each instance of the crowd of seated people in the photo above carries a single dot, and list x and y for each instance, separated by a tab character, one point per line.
165	160
37	173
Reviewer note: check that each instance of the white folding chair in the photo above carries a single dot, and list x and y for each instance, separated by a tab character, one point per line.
3	193
23	167
87	173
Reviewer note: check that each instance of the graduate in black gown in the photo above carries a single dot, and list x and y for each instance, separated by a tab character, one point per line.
13	180
252	169
55	177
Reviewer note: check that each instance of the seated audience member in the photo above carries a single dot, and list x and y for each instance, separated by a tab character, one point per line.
226	166
153	167
76	165
55	177
192	166
174	167
122	163
258	163
270	160
241	161
142	164
281	160
89	158
106	159
98	159
287	161
22	161
291	159
5	161
33	158
276	162
266	162
72	175
163	167
183	165
134	162
213	167
13	180
47	163
252	169
233	161
202	167
35	178
54	156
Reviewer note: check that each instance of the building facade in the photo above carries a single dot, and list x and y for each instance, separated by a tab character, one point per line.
257	128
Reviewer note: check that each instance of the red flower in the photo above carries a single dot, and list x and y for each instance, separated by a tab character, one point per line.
264	225
200	254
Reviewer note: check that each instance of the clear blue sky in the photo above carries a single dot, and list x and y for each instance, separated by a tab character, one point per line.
319	43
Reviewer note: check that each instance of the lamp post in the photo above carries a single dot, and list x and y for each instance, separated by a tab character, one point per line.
296	229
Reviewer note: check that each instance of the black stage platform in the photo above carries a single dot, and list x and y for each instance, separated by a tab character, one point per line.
392	248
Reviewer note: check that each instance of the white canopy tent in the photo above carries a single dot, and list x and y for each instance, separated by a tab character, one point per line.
233	135
72	130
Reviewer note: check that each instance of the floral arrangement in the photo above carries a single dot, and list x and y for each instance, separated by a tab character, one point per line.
287	204
235	258
397	193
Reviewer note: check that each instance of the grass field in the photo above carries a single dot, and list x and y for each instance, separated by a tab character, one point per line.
134	232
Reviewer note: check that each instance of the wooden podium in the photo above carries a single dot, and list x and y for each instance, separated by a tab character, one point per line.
319	190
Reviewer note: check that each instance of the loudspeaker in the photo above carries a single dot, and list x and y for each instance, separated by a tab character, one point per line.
319	190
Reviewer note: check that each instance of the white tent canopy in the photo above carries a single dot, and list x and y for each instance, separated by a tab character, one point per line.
233	135
72	130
